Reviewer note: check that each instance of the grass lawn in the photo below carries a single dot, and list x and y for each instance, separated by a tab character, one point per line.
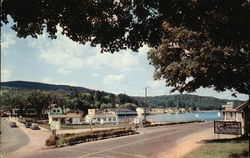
223	148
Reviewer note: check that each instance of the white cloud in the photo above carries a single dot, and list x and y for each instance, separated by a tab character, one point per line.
47	79
8	40
5	75
70	55
63	71
113	79
95	75
143	50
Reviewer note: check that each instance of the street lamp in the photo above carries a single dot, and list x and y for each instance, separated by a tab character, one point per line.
145	103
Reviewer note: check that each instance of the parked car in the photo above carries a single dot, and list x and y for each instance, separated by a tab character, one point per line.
28	124
34	126
13	124
146	122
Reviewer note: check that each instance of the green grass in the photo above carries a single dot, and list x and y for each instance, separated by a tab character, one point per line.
227	148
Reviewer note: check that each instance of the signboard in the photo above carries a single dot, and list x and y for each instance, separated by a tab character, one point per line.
55	125
102	122
227	127
136	121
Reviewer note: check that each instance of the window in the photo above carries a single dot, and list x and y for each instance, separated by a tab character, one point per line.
109	119
54	110
114	119
58	110
104	119
98	119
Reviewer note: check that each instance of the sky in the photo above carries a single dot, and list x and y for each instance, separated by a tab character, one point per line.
62	61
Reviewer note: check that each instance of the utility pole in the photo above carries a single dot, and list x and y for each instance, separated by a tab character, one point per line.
145	107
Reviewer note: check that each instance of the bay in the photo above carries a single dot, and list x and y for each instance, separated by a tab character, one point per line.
192	116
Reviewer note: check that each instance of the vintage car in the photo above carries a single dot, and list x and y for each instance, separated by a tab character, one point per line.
34	126
13	124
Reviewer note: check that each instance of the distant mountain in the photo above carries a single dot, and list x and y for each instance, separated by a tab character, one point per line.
187	100
180	100
41	86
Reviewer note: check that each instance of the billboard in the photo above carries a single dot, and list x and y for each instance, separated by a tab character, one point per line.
227	127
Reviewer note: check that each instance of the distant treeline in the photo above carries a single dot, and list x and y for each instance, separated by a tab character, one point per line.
186	101
41	95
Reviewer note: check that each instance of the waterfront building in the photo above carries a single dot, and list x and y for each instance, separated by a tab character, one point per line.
123	111
107	117
238	114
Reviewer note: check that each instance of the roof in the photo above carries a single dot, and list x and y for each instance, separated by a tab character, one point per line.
51	106
64	116
230	110
102	115
243	105
71	113
238	108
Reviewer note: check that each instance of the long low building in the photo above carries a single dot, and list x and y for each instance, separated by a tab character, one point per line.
100	117
66	119
123	111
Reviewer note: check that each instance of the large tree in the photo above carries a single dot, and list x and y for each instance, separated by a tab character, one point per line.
198	43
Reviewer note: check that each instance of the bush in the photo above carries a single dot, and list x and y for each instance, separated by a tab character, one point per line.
51	140
71	139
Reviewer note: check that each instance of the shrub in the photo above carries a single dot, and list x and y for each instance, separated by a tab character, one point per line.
51	140
70	139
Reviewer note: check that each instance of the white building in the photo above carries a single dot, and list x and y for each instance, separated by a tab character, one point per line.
238	114
55	113
123	111
66	119
100	117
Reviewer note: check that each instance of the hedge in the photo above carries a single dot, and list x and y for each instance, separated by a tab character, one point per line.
71	139
169	123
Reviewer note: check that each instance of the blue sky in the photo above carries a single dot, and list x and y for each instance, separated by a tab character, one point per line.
63	61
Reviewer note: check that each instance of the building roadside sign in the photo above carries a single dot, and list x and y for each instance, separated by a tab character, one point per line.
55	125
227	127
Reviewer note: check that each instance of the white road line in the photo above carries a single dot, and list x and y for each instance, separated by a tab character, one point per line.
144	140
128	154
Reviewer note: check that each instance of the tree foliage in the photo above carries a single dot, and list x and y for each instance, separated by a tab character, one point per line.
189	60
71	100
198	43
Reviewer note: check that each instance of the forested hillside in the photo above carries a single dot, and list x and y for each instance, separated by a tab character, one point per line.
41	86
39	95
70	100
186	101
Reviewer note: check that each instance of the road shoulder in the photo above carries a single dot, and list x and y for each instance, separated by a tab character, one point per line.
190	143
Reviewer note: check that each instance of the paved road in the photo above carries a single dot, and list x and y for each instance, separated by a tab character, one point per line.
148	144
11	138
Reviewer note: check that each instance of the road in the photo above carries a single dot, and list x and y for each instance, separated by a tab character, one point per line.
11	138
147	144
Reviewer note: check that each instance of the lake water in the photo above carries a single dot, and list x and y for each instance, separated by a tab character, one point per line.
211	115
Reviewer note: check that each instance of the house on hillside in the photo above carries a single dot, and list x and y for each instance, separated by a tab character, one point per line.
239	114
